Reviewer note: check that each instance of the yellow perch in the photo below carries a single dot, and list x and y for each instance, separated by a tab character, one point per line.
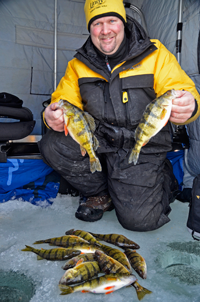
64	241
138	263
85	247
155	117
101	285
53	254
117	255
85	235
80	273
111	266
72	262
106	284
81	126
118	240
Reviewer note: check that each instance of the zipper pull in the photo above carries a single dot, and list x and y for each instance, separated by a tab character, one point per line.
124	97
108	65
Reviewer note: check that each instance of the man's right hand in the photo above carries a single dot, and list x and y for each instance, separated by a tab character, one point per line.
54	117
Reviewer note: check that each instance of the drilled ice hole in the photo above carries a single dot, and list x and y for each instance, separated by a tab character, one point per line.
15	287
182	261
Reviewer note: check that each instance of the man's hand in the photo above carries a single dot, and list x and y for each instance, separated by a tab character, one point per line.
182	107
54	117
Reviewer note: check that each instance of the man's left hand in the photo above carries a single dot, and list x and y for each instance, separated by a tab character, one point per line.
182	107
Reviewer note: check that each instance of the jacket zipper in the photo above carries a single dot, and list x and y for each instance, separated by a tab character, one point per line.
107	64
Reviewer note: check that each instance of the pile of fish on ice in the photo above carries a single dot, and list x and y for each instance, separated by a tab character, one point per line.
87	258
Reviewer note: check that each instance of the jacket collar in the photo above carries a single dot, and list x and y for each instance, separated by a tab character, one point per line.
138	42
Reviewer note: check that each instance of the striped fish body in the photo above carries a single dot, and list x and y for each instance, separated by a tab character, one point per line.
118	240
80	125
85	247
53	254
105	284
137	262
117	255
109	265
80	273
85	257
85	235
64	241
155	117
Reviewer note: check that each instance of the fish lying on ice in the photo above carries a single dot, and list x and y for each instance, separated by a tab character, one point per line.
85	235
83	271
70	242
64	241
85	248
73	261
104	284
117	255
53	254
109	265
81	126
116	239
155	117
138	263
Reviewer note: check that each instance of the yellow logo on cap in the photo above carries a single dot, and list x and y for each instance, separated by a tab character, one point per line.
96	3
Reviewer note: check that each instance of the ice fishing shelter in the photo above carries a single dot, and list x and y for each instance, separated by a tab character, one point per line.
39	37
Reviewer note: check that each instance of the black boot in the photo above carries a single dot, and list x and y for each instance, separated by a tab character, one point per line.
66	188
92	208
185	195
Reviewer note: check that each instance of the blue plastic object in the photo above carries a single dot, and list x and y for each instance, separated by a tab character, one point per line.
29	180
176	159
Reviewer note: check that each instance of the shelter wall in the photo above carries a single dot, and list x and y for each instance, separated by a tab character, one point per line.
27	42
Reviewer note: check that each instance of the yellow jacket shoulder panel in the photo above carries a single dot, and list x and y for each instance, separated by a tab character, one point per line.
168	75
68	88
167	72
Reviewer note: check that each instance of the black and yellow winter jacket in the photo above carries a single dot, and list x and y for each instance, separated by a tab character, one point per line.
148	71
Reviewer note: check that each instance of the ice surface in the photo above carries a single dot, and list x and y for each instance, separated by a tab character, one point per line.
22	223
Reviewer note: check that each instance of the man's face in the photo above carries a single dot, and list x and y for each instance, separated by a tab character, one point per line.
107	33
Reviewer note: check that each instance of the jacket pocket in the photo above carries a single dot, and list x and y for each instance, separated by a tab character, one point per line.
140	93
92	93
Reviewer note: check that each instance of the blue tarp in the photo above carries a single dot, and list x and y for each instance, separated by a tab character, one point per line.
29	180
176	159
35	182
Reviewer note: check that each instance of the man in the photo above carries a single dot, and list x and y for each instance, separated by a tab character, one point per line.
113	77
